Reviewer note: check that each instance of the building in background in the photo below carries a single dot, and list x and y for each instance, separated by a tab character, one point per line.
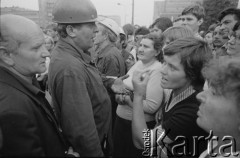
171	8
30	14
46	8
116	18
45	11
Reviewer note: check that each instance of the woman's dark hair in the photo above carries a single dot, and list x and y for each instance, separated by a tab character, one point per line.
157	44
162	23
194	53
223	75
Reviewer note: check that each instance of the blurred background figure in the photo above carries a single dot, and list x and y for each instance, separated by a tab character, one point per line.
208	37
160	25
139	33
51	30
121	44
220	38
42	78
233	47
192	17
49	43
228	18
130	62
129	32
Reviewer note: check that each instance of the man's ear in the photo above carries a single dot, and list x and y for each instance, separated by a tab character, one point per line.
71	31
6	56
200	21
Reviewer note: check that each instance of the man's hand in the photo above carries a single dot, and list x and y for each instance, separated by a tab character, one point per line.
72	153
118	86
123	99
140	80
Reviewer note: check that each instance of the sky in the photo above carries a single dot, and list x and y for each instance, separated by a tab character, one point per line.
143	9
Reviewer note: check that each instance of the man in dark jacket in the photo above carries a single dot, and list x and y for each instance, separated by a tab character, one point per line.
78	94
109	59
28	124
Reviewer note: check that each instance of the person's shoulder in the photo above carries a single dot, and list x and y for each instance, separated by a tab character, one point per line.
14	100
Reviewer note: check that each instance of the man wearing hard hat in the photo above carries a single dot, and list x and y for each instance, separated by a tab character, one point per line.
79	97
109	59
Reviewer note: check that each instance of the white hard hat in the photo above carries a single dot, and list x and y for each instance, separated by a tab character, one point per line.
121	31
111	24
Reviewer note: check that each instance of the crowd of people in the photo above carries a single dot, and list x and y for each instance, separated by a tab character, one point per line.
84	86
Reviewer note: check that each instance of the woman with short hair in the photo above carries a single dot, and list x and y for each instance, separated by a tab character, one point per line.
149	50
220	107
181	72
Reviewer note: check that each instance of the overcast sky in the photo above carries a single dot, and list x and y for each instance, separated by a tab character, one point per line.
143	8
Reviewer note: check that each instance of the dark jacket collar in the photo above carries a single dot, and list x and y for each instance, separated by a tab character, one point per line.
13	80
32	91
76	51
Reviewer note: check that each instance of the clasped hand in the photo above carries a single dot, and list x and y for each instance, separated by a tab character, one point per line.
140	80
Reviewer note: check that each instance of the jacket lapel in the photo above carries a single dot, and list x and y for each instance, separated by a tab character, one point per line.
33	92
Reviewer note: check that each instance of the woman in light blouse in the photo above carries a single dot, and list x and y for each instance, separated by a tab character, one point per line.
148	54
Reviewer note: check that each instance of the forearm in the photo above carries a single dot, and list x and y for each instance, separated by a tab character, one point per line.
138	121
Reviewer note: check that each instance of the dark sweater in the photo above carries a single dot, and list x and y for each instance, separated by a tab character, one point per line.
179	122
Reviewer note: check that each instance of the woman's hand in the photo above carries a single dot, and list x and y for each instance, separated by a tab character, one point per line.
140	80
123	99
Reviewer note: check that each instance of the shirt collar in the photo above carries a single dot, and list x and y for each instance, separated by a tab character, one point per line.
180	97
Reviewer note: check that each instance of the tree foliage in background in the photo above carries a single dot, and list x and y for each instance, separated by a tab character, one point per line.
213	8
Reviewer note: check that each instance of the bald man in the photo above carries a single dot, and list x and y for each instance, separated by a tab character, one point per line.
28	124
